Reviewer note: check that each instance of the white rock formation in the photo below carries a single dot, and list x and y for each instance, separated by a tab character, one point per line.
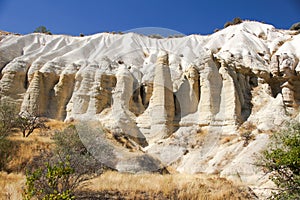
178	97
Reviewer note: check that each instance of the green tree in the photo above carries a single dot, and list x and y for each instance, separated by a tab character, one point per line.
282	160
8	116
42	29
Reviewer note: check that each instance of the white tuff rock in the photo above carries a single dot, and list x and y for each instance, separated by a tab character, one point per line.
179	101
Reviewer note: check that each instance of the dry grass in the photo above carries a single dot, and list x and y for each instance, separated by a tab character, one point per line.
228	138
172	186
23	149
11	185
113	185
57	125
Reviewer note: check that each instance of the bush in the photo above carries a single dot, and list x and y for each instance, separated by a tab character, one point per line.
70	164
68	143
55	181
282	161
295	27
8	116
246	132
235	21
42	29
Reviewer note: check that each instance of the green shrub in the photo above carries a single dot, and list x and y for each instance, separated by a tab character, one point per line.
282	161
42	29
53	182
70	164
8	116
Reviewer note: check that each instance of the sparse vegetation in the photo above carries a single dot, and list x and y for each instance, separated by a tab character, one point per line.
246	132
156	36
282	161
176	36
42	29
235	21
295	27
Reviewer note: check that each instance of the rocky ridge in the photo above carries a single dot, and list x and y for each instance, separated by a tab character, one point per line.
179	102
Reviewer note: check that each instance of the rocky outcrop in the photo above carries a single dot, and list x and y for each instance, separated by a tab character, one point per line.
161	105
173	100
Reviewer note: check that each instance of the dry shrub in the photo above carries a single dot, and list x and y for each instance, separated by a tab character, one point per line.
246	132
228	138
25	154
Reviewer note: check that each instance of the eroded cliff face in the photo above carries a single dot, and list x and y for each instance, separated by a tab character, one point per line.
175	98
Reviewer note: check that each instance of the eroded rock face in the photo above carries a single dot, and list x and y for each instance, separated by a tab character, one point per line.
178	95
162	109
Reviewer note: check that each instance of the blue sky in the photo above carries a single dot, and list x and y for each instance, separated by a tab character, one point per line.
187	16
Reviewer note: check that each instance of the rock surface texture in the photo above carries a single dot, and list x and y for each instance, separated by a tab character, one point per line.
180	101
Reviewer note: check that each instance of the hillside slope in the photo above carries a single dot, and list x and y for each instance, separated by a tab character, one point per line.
180	102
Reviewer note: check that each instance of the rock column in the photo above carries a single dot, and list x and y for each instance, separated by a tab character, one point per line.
162	101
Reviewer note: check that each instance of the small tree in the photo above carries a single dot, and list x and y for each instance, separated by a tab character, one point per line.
282	161
42	29
28	122
8	117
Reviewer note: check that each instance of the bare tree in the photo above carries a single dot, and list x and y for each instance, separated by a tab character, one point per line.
28	122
